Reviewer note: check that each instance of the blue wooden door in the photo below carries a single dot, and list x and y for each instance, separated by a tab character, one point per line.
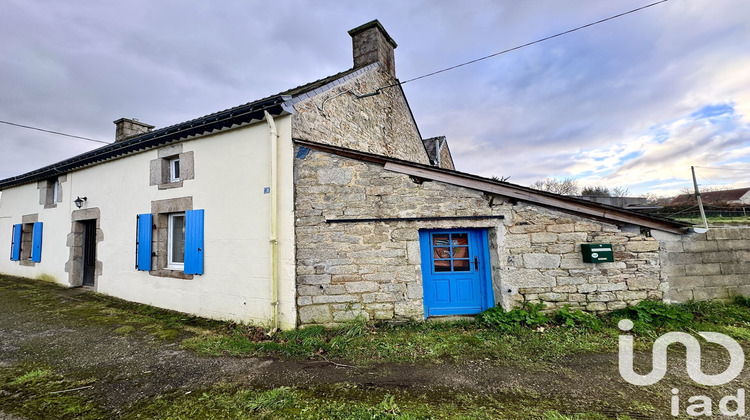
455	271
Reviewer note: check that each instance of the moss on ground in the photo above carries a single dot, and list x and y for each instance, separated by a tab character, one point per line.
37	392
346	401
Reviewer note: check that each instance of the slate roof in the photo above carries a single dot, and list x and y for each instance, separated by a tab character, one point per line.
276	105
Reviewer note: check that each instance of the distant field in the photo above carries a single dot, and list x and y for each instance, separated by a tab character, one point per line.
716	221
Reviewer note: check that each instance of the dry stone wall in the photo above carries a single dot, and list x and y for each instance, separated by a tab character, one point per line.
373	269
706	266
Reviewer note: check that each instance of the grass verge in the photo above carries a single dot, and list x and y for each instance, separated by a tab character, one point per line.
38	392
127	318
525	336
347	402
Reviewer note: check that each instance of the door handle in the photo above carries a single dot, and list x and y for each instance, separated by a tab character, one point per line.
476	264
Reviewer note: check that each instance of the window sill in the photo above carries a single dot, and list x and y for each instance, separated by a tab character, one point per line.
170	185
171	273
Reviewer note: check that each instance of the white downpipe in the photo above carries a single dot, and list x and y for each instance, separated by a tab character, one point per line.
273	239
438	147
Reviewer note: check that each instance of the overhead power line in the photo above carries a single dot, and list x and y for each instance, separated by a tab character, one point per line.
377	91
518	47
52	132
724	169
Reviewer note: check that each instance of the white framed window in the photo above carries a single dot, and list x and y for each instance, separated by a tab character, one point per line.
176	242
174	170
51	193
56	191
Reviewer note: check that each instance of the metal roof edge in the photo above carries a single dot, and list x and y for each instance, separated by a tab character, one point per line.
293	100
530	195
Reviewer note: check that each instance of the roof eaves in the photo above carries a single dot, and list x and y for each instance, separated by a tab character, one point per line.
285	100
209	124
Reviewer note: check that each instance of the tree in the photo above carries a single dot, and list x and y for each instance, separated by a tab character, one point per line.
702	189
596	192
620	191
567	186
654	199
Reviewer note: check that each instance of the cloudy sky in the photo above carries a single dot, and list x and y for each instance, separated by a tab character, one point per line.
633	102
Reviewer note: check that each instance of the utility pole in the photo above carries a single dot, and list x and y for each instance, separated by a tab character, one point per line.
698	196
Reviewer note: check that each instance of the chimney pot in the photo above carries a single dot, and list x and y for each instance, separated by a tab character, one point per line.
372	44
127	128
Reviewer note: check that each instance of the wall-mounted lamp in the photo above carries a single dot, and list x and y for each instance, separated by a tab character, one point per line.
79	201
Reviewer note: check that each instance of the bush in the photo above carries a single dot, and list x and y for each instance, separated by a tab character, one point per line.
720	313
528	316
649	315
577	319
742	301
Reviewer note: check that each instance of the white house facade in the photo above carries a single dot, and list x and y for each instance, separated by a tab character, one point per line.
185	226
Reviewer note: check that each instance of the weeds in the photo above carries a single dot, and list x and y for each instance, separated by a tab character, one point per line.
577	319
39	392
649	316
34	376
522	336
528	316
742	301
349	403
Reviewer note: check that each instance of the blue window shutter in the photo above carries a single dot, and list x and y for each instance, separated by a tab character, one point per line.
15	248
36	243
143	243
193	242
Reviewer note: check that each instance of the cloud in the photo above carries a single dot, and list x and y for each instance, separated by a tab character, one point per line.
585	108
710	136
621	103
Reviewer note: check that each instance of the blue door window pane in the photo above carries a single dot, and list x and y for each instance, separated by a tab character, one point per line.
450	252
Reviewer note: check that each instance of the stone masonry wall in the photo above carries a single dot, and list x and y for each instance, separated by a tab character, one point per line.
544	262
369	269
368	124
373	269
705	266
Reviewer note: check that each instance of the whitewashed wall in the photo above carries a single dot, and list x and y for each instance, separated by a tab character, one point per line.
231	170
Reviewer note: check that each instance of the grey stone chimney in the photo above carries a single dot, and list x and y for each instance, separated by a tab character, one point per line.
372	44
127	128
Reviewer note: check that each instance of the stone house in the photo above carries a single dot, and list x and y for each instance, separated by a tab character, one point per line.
318	205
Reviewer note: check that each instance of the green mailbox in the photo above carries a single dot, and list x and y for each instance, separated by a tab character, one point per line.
597	253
